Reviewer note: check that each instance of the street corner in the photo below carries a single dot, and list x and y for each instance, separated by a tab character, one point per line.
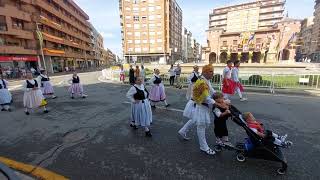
27	172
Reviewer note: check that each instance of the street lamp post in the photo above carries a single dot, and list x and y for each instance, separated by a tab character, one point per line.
41	49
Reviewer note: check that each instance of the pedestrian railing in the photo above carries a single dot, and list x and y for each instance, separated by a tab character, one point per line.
269	81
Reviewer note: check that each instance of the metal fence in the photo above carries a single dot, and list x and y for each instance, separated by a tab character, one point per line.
270	81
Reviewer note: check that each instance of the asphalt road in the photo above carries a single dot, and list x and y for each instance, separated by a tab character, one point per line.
89	139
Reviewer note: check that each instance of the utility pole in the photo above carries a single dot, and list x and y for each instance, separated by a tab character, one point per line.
39	33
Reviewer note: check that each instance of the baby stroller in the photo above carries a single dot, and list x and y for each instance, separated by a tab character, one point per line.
255	146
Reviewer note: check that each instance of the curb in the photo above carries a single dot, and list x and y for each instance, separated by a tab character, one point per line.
34	171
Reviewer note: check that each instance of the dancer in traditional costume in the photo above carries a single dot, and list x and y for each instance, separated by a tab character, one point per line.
141	114
46	86
5	95
157	92
227	83
76	87
33	97
191	80
235	77
200	113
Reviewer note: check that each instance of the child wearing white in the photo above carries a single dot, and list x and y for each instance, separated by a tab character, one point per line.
46	86
235	78
76	87
5	95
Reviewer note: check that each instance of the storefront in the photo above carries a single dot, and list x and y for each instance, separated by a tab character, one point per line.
19	61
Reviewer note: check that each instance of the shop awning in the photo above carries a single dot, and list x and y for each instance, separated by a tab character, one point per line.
18	58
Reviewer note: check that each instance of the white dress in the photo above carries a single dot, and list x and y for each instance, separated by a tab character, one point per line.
46	86
141	113
5	95
201	112
32	98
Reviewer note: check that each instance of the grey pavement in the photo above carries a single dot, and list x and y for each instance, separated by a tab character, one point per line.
90	139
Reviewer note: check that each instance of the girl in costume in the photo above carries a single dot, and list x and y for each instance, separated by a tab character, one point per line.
157	92
33	97
76	87
5	95
46	86
141	114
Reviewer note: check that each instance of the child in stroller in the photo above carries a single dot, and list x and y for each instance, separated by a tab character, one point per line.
267	135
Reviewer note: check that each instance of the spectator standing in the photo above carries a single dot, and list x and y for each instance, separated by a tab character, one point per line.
143	74
172	75
178	73
137	72
131	75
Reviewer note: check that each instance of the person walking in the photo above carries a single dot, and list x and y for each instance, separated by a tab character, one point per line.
122	74
194	76
137	72
5	95
200	111
235	77
141	114
46	86
131	75
227	82
172	74
143	74
178	73
33	97
157	92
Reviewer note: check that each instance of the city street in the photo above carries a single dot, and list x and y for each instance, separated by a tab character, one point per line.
90	139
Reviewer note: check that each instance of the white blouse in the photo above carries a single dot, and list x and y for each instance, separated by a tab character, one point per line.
25	85
133	91
191	76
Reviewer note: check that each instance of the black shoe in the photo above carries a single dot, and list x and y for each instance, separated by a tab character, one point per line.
27	113
72	97
148	134
133	126
167	105
153	106
3	109
55	97
46	111
9	110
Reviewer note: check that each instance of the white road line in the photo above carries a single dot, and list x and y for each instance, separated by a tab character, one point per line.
161	107
14	87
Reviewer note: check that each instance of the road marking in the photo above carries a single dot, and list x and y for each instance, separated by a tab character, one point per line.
161	107
14	87
38	172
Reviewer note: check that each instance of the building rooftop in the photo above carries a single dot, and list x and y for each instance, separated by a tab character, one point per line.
78	8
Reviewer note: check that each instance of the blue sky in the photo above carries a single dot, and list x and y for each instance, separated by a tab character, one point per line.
104	15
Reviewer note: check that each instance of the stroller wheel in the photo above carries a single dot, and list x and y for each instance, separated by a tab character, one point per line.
217	148
241	157
281	171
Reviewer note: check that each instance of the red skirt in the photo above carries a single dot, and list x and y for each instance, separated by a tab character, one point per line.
239	85
122	77
230	88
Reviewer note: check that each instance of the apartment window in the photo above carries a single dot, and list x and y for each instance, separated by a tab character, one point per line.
158	7
144	25
159	33
151	8
159	40
144	49
151	49
224	43
128	9
151	17
144	17
128	17
128	25
151	1
143	9
135	9
137	49
159	48
159	16
137	34
144	33
135	1
136	26
129	33
152	25
152	33
136	18
130	49
137	41
129	41
17	23
159	24
235	42
3	24
145	41
152	41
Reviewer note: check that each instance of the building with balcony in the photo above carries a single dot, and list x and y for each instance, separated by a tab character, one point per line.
151	30
60	27
306	37
98	46
315	44
251	16
254	32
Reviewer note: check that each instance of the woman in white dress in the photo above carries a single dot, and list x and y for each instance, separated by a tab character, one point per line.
5	95
141	114
33	97
46	86
194	76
